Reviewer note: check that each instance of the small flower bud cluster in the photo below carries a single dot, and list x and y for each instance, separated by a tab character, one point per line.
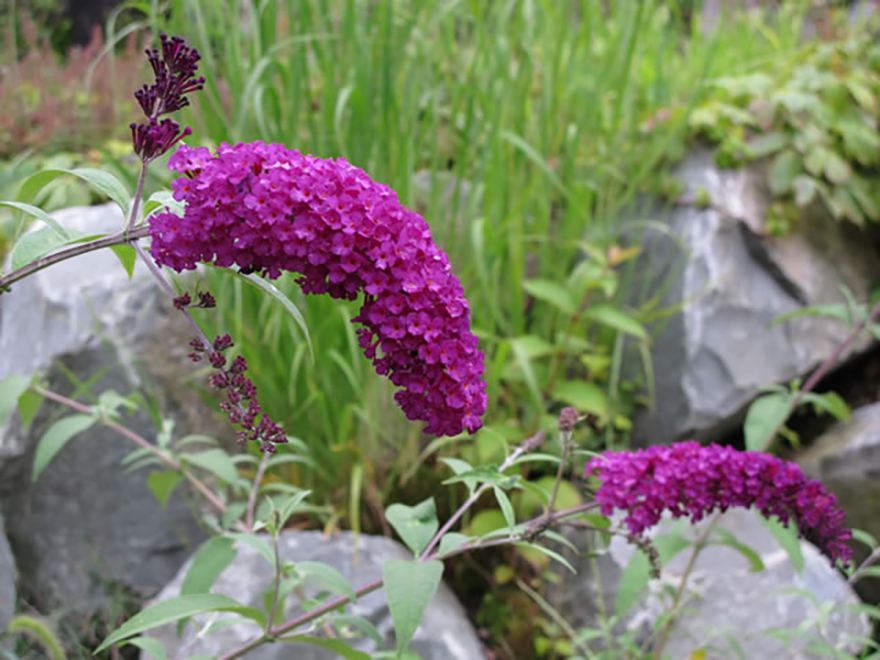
174	73
241	405
206	301
687	479
268	209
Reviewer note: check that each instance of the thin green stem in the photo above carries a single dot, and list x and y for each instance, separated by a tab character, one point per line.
255	488
699	545
136	203
523	448
277	586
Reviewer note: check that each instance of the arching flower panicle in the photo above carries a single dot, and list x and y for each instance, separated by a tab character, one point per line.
268	209
689	480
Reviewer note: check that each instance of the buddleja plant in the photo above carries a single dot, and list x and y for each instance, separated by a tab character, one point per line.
260	210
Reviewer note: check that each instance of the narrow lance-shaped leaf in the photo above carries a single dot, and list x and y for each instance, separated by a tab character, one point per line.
100	180
172	610
409	587
58	435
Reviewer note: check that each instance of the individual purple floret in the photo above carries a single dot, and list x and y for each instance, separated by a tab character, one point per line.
687	479
174	72
268	209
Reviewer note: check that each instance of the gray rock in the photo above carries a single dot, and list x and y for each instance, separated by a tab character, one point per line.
87	524
733	281
724	599
445	631
8	576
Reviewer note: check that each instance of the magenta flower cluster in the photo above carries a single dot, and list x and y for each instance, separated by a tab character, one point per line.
268	209
688	479
174	69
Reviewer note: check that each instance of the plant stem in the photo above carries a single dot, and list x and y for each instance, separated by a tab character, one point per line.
141	441
566	443
331	605
83	248
699	545
524	447
824	368
252	498
136	203
277	588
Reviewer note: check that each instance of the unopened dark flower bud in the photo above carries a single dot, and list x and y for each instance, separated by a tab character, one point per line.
568	419
182	302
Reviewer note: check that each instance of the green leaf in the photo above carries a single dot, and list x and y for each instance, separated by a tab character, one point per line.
805	188
728	539
829	402
832	311
409	587
258	543
327	577
11	390
485	522
56	437
416	525
127	256
836	168
786	166
211	559
586	397
767	144
359	622
552	292
547	551
506	506
59	231
41	632
766	414
179	608
216	461
337	646
152	647
102	181
485	475
290	506
28	405
162	484
272	290
461	467
787	537
616	319
637	573
453	541
163	200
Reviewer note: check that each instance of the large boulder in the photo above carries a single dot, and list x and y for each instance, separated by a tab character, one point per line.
724	598
732	281
444	633
87	526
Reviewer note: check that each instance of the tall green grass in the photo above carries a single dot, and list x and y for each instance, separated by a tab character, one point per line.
535	124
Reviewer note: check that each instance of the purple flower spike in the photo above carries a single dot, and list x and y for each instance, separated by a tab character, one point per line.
687	479
174	72
268	209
